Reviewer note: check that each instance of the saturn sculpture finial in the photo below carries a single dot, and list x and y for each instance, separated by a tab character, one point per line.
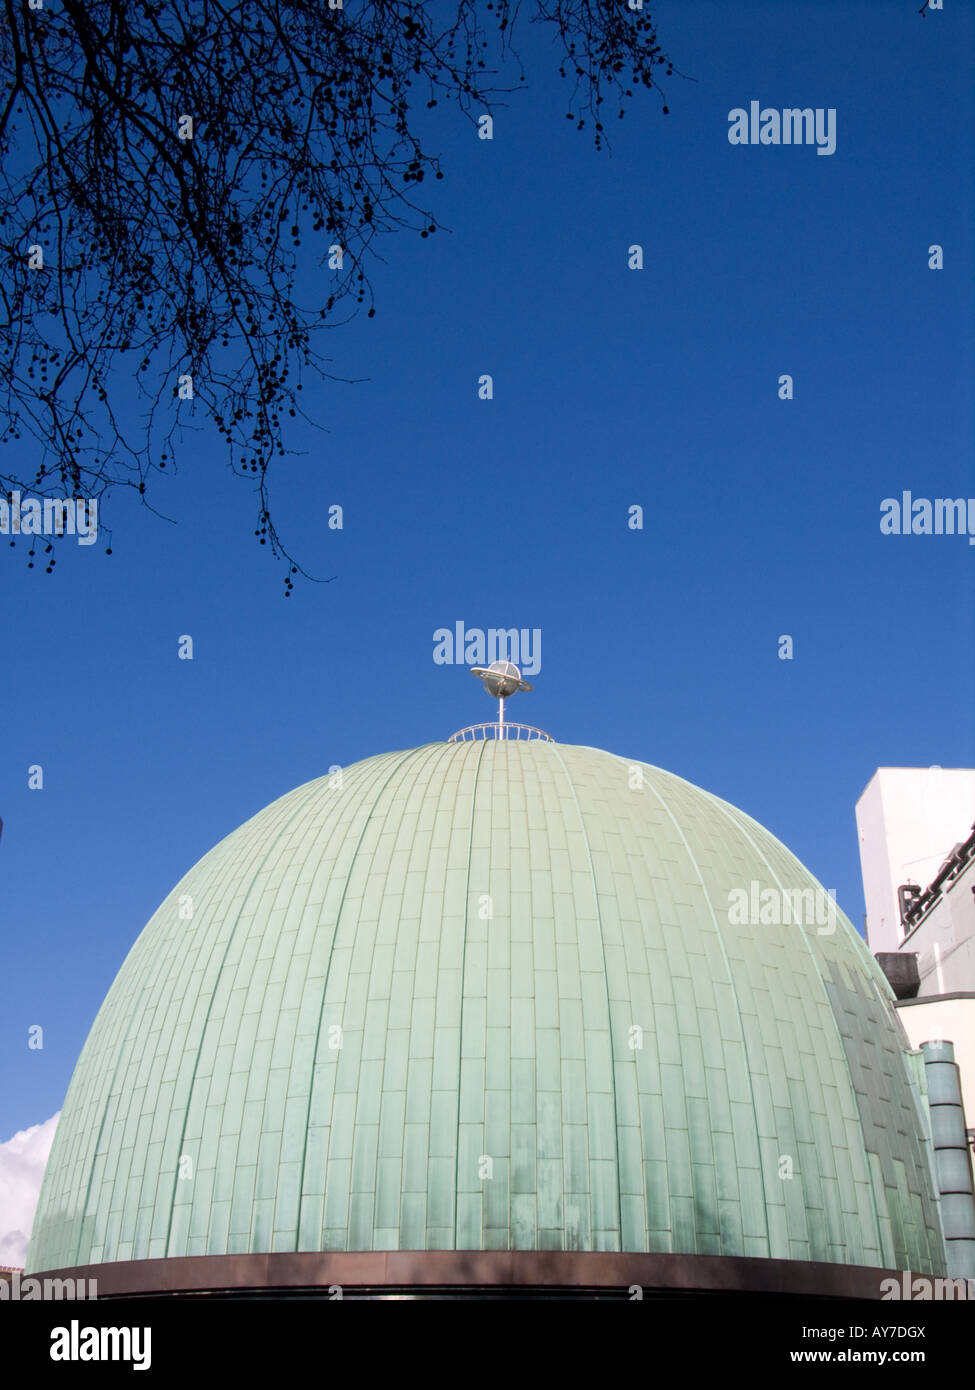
502	679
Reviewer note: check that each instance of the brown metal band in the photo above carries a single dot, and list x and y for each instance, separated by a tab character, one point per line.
478	1270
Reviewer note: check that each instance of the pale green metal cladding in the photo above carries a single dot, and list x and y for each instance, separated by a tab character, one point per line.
485	929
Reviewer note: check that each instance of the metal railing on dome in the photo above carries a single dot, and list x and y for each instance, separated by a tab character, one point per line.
500	731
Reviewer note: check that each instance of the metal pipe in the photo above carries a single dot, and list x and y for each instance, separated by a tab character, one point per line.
952	1162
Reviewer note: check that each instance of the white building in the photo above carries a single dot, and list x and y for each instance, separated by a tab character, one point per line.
909	819
917	853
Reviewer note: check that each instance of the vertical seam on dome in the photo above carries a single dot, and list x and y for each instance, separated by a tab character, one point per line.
146	967
460	1019
734	992
609	1012
328	970
108	1097
147	974
213	994
101	1126
846	1064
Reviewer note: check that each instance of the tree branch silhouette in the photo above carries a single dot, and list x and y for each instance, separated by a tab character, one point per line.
153	265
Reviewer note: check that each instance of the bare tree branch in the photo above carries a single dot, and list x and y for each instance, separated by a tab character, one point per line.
179	167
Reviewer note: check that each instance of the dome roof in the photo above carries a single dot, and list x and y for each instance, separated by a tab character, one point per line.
494	996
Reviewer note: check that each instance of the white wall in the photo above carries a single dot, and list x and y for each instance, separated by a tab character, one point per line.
945	940
908	821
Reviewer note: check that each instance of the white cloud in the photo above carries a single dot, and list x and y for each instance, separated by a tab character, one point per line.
22	1162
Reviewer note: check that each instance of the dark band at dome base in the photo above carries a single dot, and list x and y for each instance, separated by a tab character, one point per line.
514	1272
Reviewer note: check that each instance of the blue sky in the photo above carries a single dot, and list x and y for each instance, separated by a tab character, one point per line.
612	387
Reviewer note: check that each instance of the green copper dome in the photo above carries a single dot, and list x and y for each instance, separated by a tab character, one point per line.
494	996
